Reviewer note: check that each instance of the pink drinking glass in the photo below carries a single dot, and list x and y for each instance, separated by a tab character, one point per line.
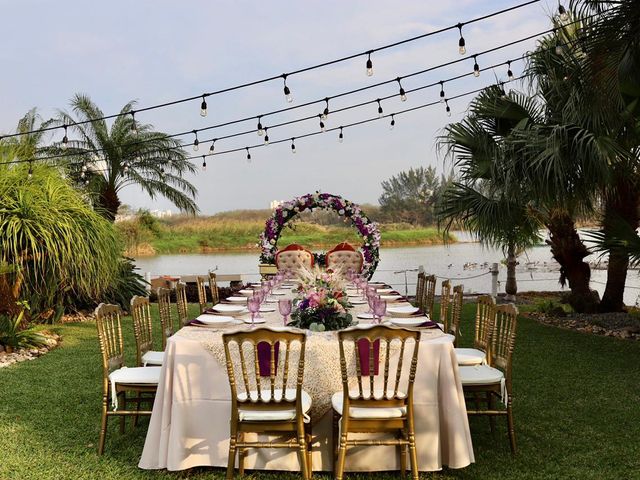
253	304
285	306
379	308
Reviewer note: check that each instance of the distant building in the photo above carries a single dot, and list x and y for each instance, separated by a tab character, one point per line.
275	204
161	213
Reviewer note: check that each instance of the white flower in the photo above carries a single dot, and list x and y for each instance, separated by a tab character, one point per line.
341	211
285	213
272	241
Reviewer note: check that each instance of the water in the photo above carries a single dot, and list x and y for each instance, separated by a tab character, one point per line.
464	262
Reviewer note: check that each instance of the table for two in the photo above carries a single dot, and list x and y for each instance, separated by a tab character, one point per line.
189	426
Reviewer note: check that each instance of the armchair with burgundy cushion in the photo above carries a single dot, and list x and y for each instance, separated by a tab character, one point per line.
294	257
345	256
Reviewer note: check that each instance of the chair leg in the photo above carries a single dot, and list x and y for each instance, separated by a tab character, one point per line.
413	456
242	453
138	402
403	456
335	428
103	425
232	456
491	406
342	454
122	401
309	451
510	426
302	453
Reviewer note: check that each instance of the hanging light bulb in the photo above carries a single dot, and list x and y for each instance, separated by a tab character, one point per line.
340	136
82	175
248	155
196	142
260	129
293	146
287	92
476	67
393	122
65	139
503	93
125	167
461	43
325	112
564	15
266	136
441	91
448	109
369	65
559	48
380	111
213	145
322	126
509	72
204	163
134	125
203	107
84	167
403	94
86	182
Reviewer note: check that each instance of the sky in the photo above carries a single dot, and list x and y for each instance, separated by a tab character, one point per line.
154	51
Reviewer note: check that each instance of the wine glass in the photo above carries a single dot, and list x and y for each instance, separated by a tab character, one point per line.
285	305
379	308
254	306
259	296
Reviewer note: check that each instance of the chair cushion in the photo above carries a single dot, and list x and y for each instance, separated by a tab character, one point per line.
368	412
294	259
132	376
480	375
470	356
273	415
153	358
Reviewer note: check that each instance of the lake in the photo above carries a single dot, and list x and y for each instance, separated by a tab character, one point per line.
463	262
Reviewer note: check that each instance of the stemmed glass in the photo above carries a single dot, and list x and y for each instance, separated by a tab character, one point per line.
379	308
285	305
370	296
254	306
260	296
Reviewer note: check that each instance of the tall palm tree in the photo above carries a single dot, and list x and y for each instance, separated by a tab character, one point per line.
127	153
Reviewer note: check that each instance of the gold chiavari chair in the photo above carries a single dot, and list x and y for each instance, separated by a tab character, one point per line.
181	303
496	380
419	289
453	327
166	318
117	380
267	394
382	403
428	295
485	316
213	286
202	293
445	301
143	333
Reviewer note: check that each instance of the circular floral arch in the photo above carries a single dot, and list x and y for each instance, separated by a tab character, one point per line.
367	229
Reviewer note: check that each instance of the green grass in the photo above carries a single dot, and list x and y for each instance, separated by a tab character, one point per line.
577	413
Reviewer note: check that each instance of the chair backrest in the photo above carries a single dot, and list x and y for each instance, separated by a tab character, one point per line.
261	361
428	294
164	310
456	312
181	303
142	327
110	338
294	257
213	287
345	256
364	350
420	289
202	293
445	301
485	317
503	337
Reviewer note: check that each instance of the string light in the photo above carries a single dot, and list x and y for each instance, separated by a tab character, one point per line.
266	136
380	111
260	129
287	92
462	49
203	107
213	145
369	64
65	139
30	174
509	71
248	154
325	112
393	122
204	163
476	67
134	126
125	165
322	126
403	94
196	142
559	48
340	136
86	182
442	91
293	146
448	109
503	93
564	15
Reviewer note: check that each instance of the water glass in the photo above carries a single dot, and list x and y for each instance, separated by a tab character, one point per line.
285	306
253	304
379	308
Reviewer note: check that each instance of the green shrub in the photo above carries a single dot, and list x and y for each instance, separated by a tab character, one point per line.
553	307
13	335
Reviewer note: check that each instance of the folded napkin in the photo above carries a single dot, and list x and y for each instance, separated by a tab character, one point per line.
195	321
429	324
364	358
264	358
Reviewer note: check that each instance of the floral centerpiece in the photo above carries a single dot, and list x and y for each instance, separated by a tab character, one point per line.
322	301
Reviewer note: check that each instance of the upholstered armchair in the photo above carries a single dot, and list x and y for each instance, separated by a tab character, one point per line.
294	257
346	257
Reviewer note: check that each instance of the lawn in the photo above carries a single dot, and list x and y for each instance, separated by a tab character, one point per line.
577	411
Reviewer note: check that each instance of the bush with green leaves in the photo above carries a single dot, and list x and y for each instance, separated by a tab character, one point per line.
14	336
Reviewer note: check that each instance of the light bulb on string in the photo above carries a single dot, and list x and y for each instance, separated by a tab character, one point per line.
204	163
125	167
86	182
134	125
461	43
260	129
213	145
83	175
442	91
248	155
322	126
563	14
393	122
84	167
403	94
30	174
476	67
509	71
380	111
325	112
203	107
340	136
65	139
196	142
293	146
369	64
503	93
287	91
559	48
266	136
448	109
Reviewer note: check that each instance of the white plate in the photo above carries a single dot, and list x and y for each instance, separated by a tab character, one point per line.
408	322
267	308
353	293
237	299
373	284
381	291
390	297
271	300
365	316
279	292
226	308
215	319
357	301
256	320
246	292
406	310
288	285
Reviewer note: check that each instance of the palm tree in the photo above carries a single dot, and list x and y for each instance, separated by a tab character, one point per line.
128	153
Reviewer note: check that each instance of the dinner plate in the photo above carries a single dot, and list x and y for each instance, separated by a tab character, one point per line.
353	293
405	310
408	322
271	300
255	320
227	308
279	292
215	319
365	316
390	297
267	308
288	285
357	301
237	299
246	292
383	290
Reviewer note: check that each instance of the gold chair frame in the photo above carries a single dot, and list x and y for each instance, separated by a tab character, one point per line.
112	350
428	295
485	319
181	303
266	399
445	301
503	337
202	293
166	318
456	312
419	289
403	426
213	286
142	326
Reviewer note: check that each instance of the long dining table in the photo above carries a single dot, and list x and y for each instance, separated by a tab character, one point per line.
189	425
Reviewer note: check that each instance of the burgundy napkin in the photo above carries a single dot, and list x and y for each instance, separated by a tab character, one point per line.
264	358
429	324
363	354
195	321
